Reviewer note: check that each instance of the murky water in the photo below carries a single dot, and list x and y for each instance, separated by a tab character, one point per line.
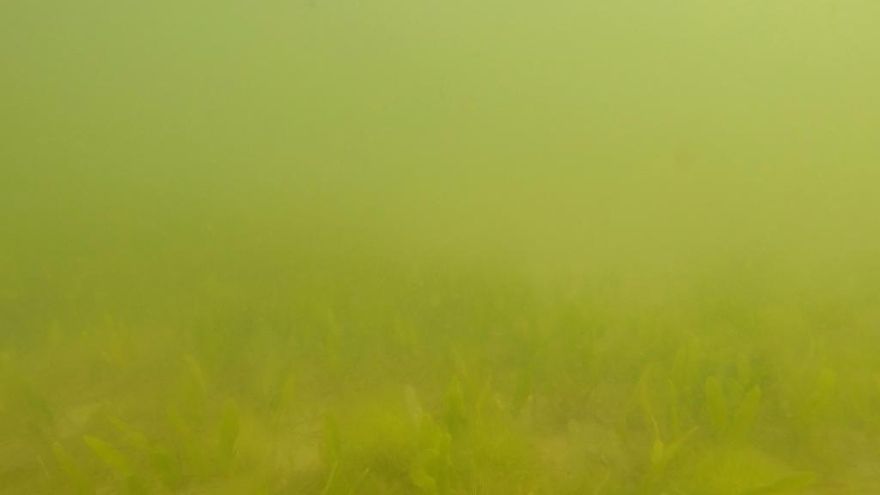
393	247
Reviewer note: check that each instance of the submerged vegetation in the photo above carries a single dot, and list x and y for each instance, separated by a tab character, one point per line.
453	381
439	247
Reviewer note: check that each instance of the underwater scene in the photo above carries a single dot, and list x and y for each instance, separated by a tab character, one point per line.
388	247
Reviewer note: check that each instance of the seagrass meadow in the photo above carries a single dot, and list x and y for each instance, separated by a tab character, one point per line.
342	247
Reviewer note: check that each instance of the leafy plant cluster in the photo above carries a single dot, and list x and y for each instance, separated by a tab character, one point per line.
450	382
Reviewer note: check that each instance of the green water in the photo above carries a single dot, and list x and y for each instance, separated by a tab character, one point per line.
440	247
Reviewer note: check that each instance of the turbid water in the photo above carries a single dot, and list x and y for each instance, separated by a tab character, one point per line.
423	247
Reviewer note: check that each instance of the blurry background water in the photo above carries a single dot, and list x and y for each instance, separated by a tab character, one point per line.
386	246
